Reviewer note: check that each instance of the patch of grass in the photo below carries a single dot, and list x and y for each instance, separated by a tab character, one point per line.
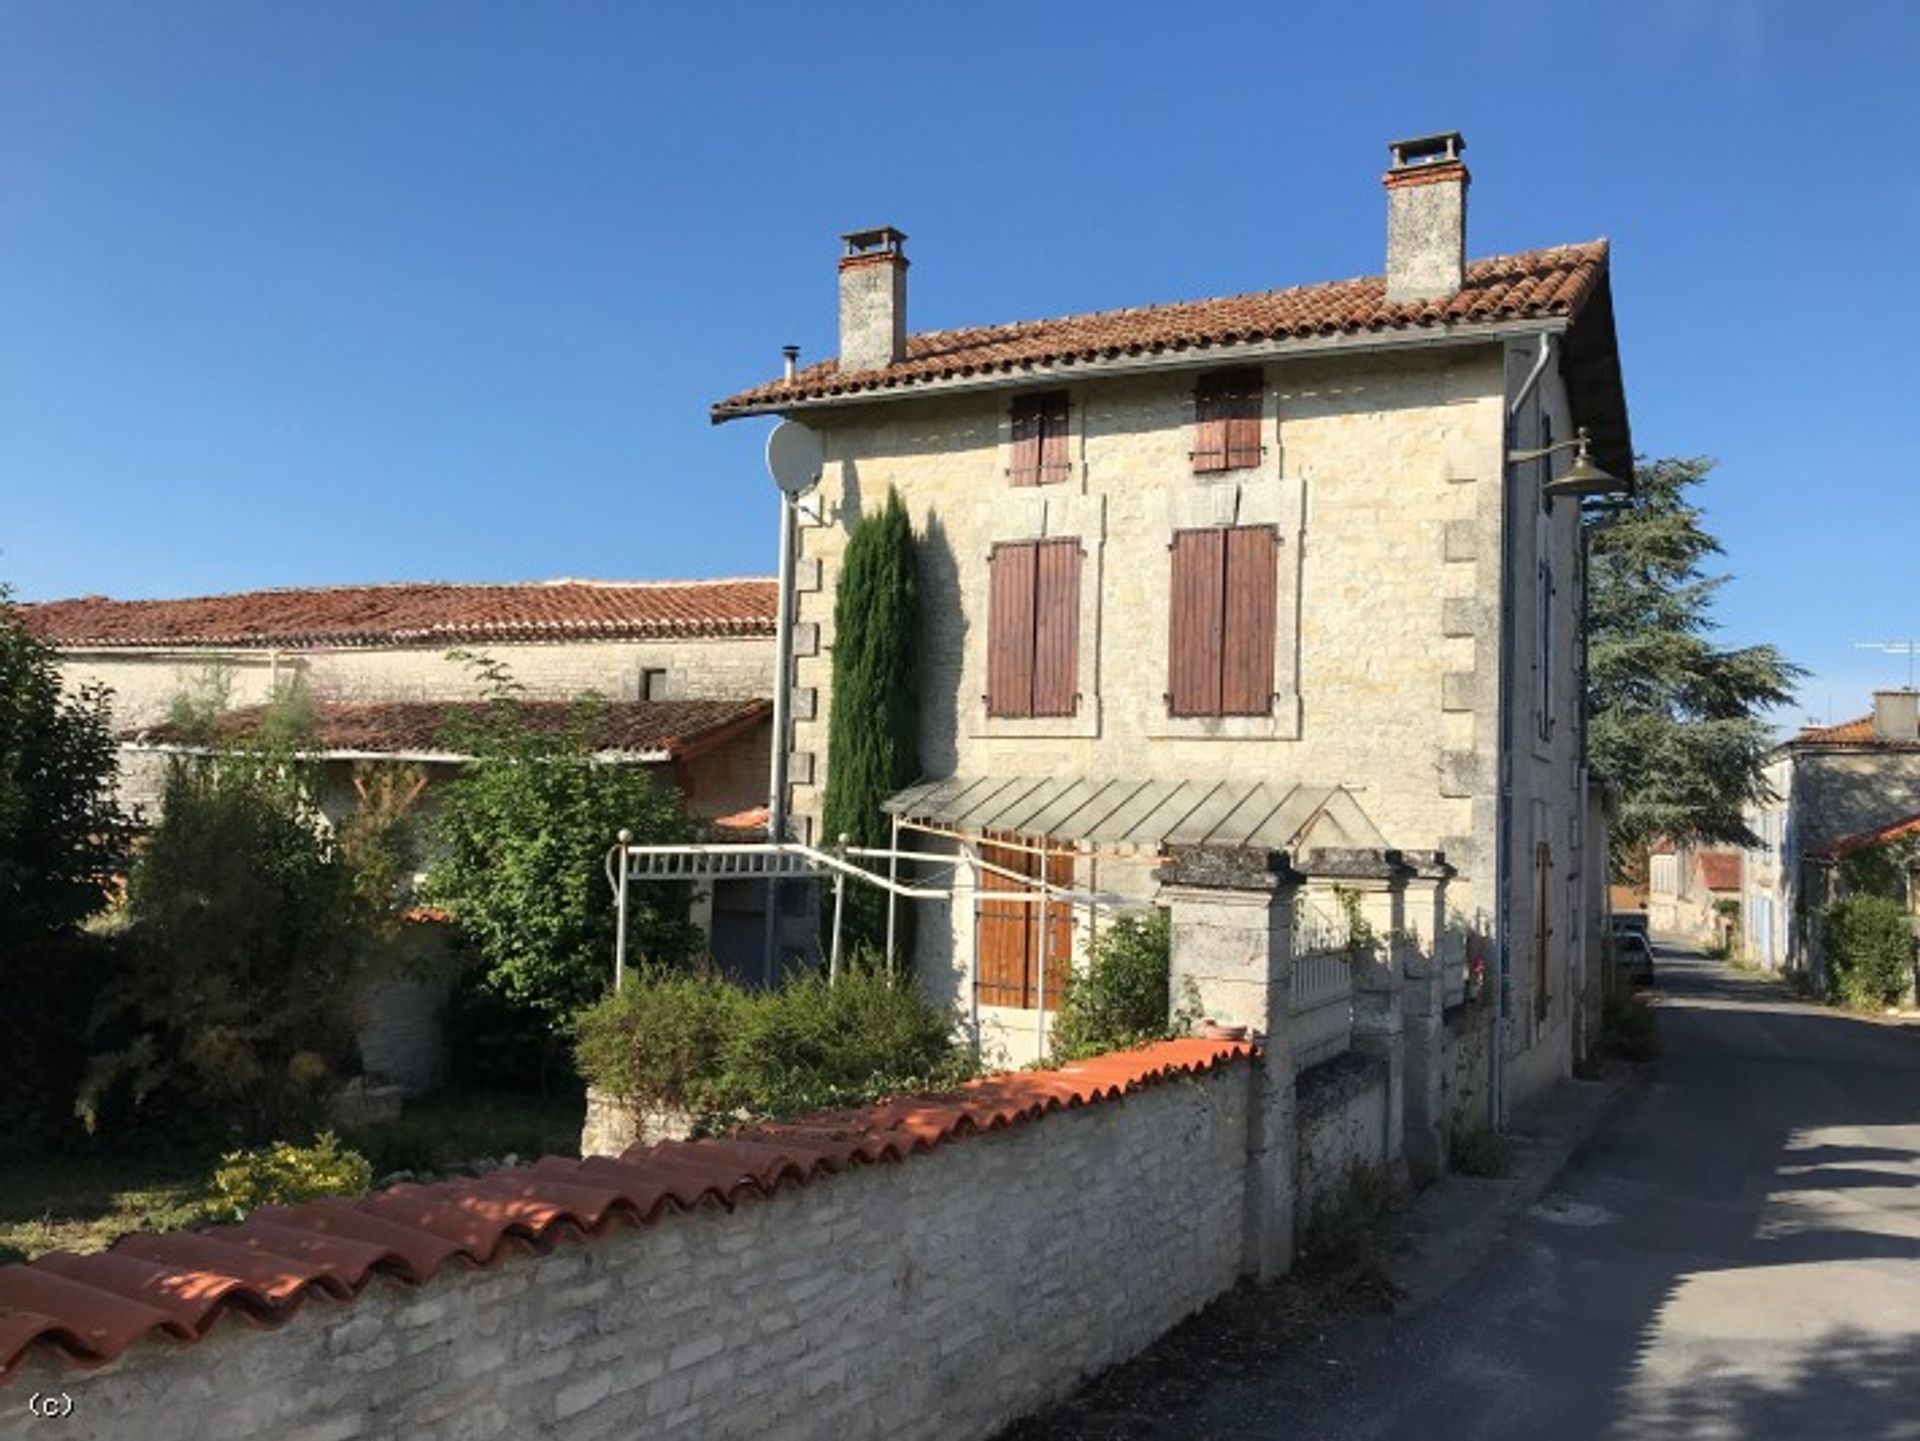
1342	1263
86	1203
1476	1151
1628	1029
439	1132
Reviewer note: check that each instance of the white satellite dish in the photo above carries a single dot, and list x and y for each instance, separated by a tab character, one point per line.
794	457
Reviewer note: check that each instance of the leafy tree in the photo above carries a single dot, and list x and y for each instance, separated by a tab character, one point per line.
234	1004
873	740
1676	721
522	836
1121	997
62	835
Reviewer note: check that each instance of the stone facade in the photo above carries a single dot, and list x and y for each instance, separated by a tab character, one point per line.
1384	476
942	1297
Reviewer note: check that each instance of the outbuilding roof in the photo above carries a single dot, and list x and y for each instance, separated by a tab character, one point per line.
646	730
432	613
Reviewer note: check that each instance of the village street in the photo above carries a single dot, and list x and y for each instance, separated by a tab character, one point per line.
1736	1254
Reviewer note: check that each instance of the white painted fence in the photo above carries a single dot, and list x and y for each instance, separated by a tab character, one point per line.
1321	1023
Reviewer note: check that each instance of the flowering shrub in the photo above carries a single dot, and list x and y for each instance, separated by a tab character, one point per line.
283	1174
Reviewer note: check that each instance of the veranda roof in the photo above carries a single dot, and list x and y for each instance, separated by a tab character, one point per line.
1142	815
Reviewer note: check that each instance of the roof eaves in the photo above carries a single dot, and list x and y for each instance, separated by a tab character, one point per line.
877	388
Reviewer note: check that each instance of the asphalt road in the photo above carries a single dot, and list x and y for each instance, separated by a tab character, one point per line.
1737	1254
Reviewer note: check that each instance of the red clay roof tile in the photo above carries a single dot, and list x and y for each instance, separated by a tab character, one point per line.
1534	285
670	728
435	614
91	1308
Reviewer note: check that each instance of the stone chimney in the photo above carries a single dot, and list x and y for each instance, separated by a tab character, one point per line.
1896	715
873	299
1426	218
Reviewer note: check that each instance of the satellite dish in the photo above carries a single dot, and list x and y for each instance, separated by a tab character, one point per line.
794	457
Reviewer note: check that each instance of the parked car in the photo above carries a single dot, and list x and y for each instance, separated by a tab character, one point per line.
1633	954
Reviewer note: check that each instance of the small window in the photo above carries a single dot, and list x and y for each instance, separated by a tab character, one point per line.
1226	431
653	684
1040	451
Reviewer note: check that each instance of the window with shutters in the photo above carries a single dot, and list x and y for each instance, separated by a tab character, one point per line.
1033	628
1022	948
1040	452
1222	621
1226	431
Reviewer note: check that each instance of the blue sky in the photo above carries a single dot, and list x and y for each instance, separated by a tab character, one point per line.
307	293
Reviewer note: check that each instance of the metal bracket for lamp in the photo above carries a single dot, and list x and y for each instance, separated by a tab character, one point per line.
1583	478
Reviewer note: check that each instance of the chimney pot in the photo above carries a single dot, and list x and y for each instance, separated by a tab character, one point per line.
1896	715
1426	218
790	360
873	299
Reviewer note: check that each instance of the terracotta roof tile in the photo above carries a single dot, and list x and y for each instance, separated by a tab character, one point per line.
415	614
1865	840
1846	733
89	1309
1535	285
1720	870
675	728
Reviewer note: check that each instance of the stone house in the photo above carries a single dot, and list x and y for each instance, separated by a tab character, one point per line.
1686	886
1835	789
685	669
1253	571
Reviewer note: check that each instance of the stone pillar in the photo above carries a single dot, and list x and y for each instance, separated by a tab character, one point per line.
1232	914
1422	1013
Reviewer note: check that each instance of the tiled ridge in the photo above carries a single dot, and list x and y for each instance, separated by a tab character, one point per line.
87	1310
416	614
1532	285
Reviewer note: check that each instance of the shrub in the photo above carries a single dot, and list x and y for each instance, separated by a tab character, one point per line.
1869	948
283	1174
1627	1027
55	982
707	1045
232	1008
815	1043
660	1040
1473	1150
522	836
1119	998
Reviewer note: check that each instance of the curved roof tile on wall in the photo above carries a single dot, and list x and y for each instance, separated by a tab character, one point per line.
416	614
1533	285
89	1309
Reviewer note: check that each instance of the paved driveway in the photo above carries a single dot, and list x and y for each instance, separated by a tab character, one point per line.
1736	1255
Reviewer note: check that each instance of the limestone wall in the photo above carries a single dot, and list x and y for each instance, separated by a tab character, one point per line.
940	1297
1341	1120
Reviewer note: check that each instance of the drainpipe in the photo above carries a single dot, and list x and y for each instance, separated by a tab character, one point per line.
1503	809
782	694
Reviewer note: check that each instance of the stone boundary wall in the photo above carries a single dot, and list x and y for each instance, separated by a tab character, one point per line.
939	1297
1340	1115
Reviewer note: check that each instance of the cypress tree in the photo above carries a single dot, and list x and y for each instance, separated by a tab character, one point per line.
873	734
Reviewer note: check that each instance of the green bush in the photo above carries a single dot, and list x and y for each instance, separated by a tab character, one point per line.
283	1174
1869	949
55	982
661	1039
815	1043
707	1045
1627	1027
1473	1150
1119	998
232	1009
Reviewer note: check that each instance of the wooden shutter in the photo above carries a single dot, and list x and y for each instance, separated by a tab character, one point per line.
1056	457
1010	632
1542	868
1028	416
1227	420
1056	628
1194	622
1246	668
1000	940
1059	921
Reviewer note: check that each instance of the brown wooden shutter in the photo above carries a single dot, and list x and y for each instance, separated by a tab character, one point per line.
1056	628
1010	633
1542	931
1194	623
1209	429
1056	458
1242	405
1059	921
1000	939
1028	416
1246	669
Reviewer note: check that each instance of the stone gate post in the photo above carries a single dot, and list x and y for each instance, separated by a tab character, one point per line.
1422	1011
1232	914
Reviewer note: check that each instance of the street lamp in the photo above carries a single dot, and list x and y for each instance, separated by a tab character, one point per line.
1583	478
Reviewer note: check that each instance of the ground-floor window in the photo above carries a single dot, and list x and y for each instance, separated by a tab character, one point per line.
1015	941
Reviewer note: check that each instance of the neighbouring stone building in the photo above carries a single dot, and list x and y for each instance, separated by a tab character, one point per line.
1689	891
1256	572
1835	789
685	669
